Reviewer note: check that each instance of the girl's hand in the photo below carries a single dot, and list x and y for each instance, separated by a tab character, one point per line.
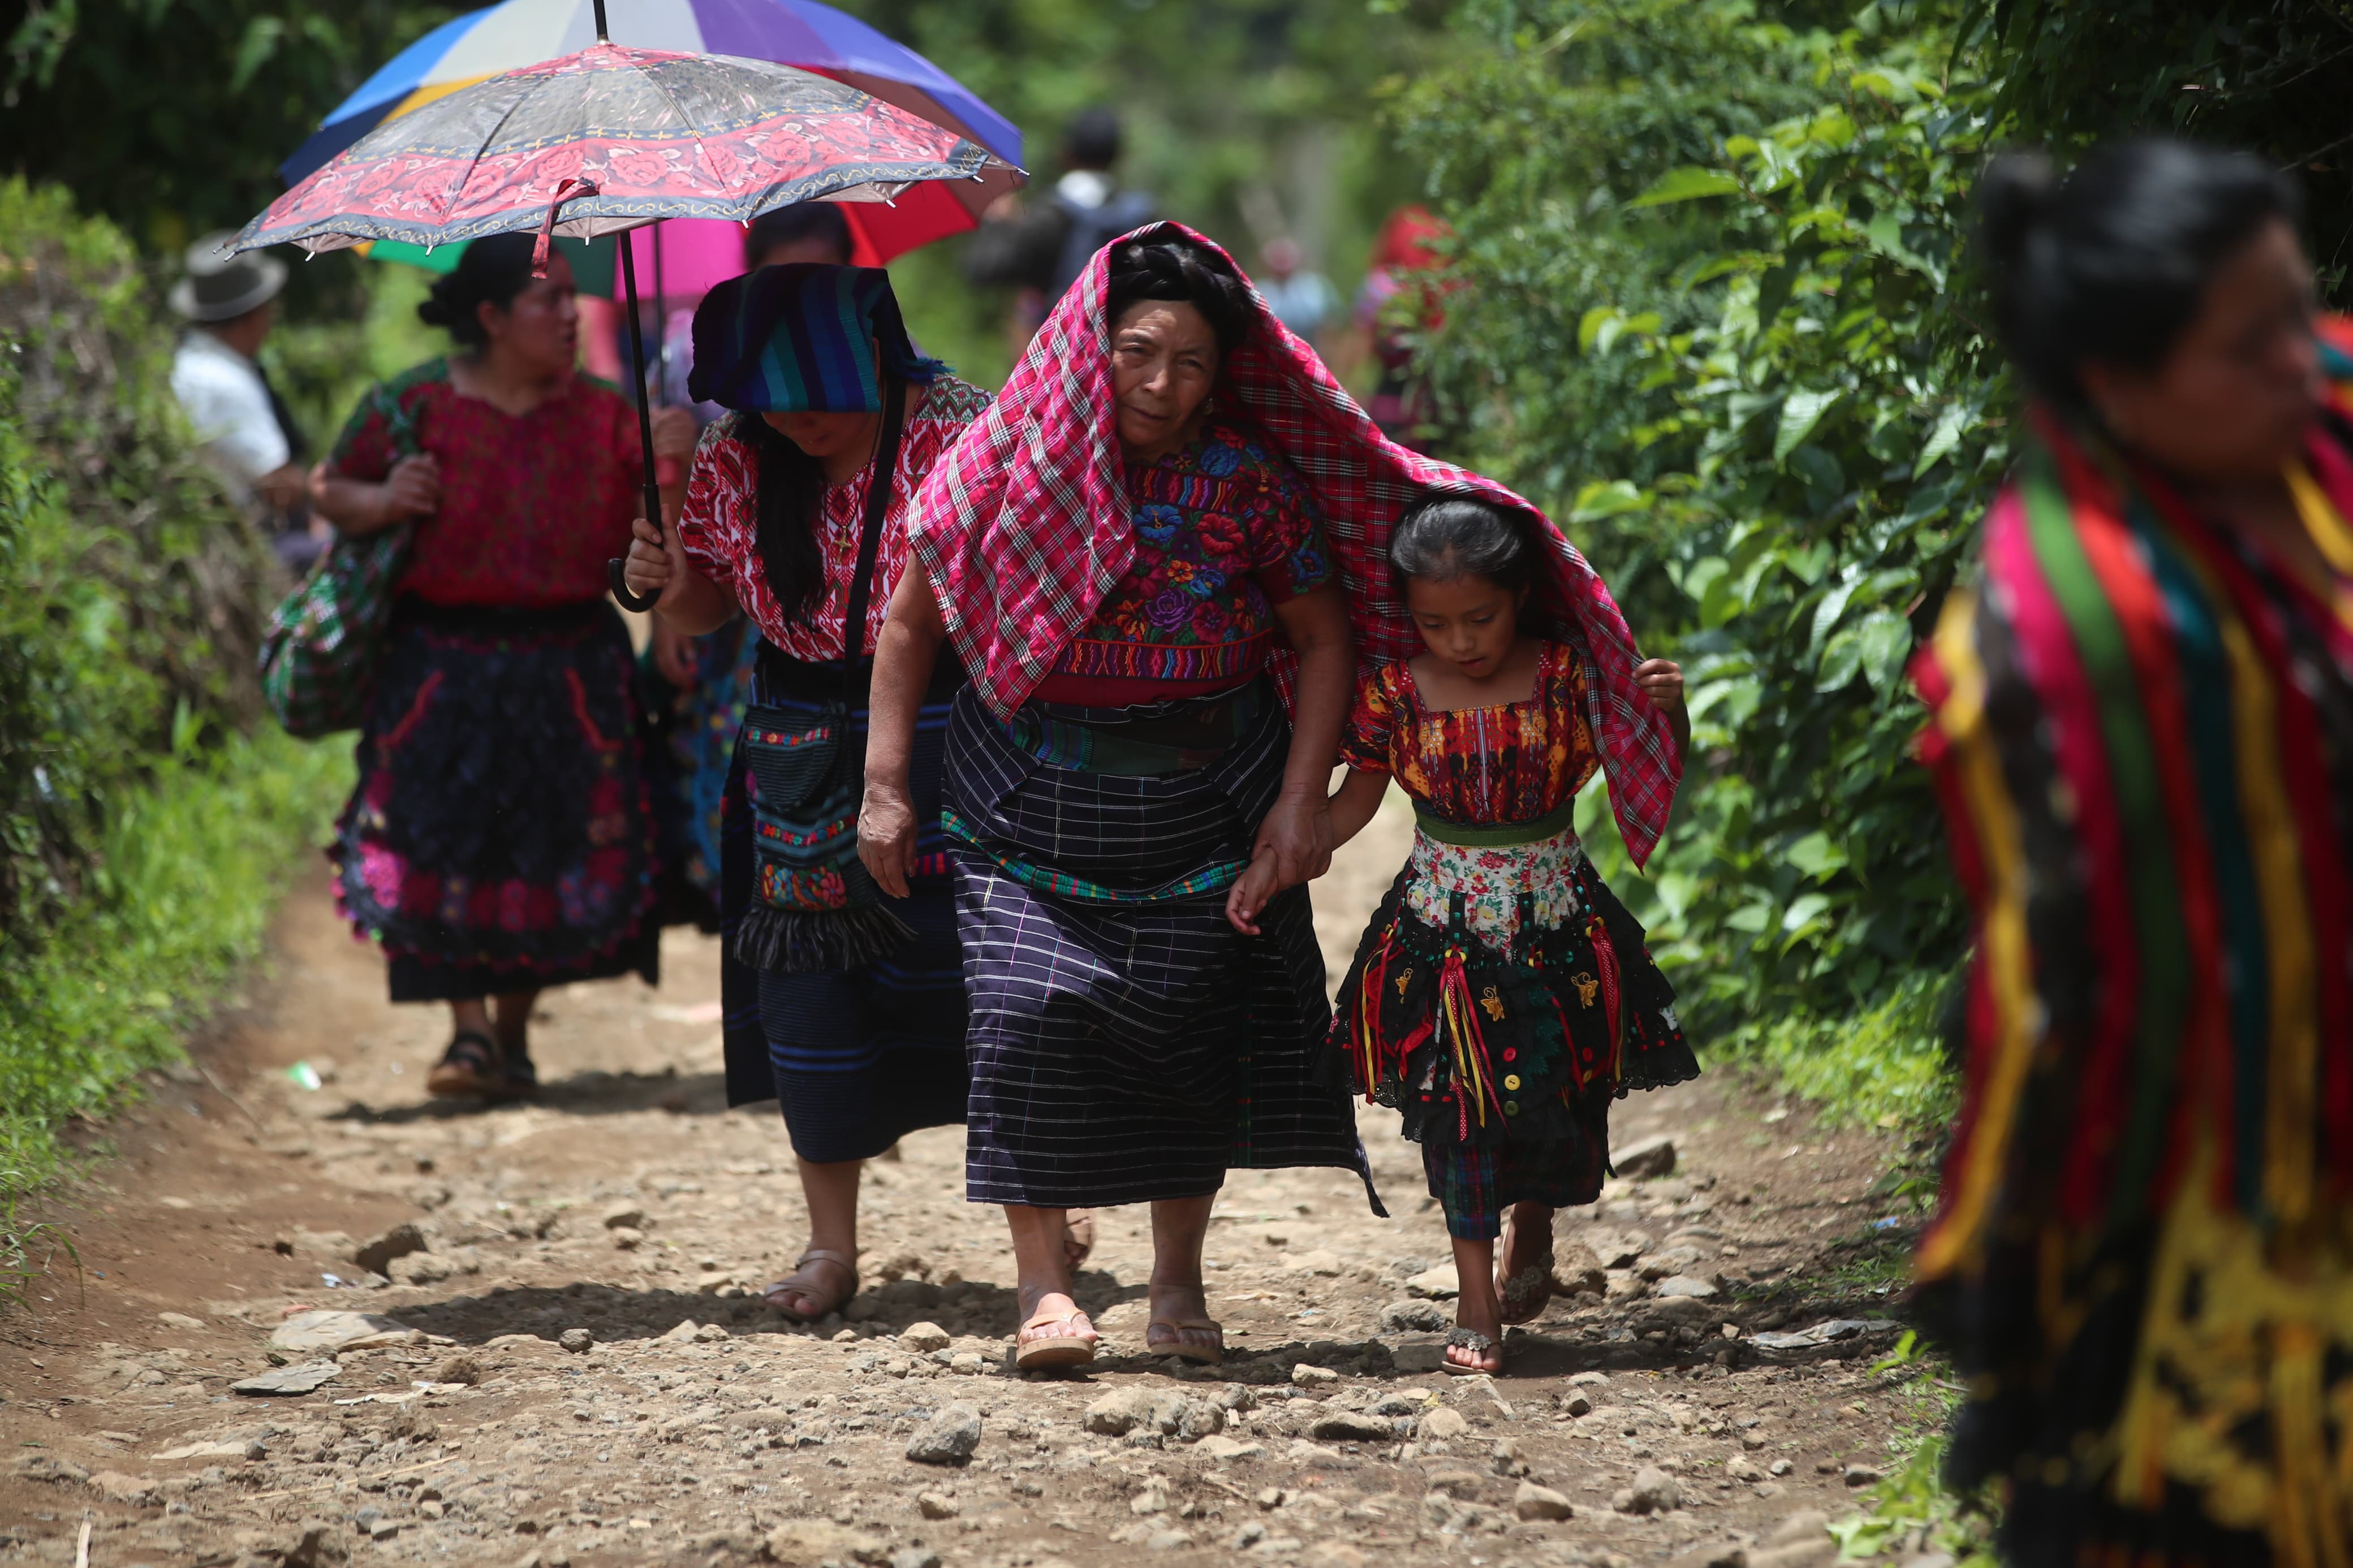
651	567
674	654
1251	891
1662	681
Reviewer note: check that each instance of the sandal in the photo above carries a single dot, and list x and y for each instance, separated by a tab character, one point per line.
472	1068
1176	1345
1078	1237
522	1077
1034	1352
774	1294
1525	1295
1479	1345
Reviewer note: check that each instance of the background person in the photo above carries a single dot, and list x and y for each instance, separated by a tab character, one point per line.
1300	298
242	427
500	839
1039	248
2142	735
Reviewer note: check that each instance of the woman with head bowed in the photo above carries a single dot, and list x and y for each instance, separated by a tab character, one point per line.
847	1007
501	837
2142	733
1158	555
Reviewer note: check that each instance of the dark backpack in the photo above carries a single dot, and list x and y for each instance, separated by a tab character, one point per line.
1091	229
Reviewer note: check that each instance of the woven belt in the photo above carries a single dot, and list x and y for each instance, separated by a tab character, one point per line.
1497	835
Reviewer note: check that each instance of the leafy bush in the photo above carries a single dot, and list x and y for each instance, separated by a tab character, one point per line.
146	814
1732	349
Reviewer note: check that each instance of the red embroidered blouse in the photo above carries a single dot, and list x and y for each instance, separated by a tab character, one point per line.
720	528
532	505
1500	765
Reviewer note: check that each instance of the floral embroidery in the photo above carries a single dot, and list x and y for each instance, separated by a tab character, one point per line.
1492	882
1224	531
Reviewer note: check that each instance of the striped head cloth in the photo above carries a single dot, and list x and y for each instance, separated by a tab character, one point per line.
799	340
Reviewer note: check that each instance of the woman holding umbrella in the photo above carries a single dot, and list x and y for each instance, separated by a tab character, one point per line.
500	839
858	1026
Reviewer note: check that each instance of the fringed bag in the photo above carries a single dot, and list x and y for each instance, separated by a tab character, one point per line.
813	905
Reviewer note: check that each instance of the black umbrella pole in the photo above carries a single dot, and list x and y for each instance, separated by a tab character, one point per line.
638	602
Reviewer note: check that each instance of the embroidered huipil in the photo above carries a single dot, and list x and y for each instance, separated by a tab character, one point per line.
1224	532
720	527
1502	766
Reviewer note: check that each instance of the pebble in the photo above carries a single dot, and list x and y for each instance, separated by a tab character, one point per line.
626	1218
1226	1450
1442	1423
335	1331
947	1438
1687	1284
316	1545
1653	1492
914	1557
301	1378
1862	1476
1647	1157
1166	1541
1781	1466
576	1340
1403	1316
924	1338
376	1253
1533	1501
1306	1374
1577	1405
1438	1284
627	1239
938	1505
422	1268
180	1320
461	1368
1348	1426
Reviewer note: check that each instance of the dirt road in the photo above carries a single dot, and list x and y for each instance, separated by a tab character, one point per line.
1680	1409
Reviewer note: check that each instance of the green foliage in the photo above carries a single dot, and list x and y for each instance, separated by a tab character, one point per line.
135	593
1730	349
146	817
2272	75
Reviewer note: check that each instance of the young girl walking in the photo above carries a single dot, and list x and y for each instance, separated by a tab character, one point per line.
1501	996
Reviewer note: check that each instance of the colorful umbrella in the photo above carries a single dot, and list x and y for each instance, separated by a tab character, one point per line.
604	140
801	33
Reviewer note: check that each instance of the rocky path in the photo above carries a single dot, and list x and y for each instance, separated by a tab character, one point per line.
563	1359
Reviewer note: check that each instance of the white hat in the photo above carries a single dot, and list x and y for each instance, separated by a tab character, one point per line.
219	287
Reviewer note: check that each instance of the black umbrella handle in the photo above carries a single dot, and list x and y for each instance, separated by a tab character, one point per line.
633	601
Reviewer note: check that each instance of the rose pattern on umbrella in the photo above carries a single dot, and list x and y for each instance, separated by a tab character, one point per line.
661	135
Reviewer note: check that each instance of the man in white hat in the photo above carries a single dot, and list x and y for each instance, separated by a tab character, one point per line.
241	425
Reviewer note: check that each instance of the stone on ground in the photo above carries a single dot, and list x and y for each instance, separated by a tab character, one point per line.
334	1330
376	1253
947	1438
1533	1501
1646	1157
301	1378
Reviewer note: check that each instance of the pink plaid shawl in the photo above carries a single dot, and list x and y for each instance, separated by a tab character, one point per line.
1023	527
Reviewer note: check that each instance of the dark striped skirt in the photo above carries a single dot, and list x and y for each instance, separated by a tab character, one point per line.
501	835
1128	1044
855	1058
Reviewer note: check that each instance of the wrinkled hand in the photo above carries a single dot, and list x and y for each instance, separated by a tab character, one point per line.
1662	681
413	488
886	834
674	654
1251	891
674	433
654	562
1298	834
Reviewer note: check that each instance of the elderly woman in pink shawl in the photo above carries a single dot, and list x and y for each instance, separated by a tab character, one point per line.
1158	557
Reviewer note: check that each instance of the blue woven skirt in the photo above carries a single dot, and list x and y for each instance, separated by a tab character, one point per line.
500	837
855	1058
1127	1044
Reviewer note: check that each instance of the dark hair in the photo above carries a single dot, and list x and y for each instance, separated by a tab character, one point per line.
1091	140
1180	270
790	487
2110	263
495	267
1449	534
802	220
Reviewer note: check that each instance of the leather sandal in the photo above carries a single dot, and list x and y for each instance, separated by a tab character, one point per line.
1176	1345
789	1285
473	1068
1523	1296
1479	1345
1033	1351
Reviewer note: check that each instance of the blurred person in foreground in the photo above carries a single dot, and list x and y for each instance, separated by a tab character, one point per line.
1400	307
2142	734
709	678
500	839
242	427
1040	248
